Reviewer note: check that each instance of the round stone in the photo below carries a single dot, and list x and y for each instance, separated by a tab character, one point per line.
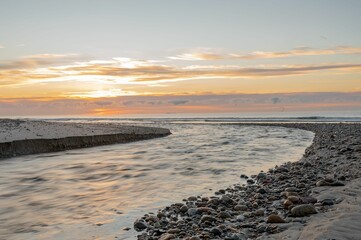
303	210
275	219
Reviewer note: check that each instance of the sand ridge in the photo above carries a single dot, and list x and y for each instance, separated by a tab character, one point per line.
21	137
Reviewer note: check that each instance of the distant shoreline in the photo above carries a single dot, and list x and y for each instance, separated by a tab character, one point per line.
23	137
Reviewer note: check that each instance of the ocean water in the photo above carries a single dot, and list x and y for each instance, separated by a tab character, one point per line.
95	193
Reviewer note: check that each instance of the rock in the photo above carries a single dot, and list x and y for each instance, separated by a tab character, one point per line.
160	215
337	184
291	189
194	238
216	231
308	199
294	199
208	218
303	210
275	219
261	175
167	236
291	194
183	209
307	164
192	199
173	230
204	209
259	212
140	225
240	218
321	183
192	211
214	201
241	208
327	202
250	181
262	191
287	203
126	228
226	199
332	183
224	214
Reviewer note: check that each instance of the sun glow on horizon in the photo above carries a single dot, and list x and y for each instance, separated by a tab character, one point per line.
116	55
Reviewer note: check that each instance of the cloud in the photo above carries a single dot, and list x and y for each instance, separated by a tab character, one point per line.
99	93
41	69
328	101
276	100
198	56
39	60
103	103
178	102
1	46
300	51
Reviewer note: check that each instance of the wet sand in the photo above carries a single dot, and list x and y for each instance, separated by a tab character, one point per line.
317	197
21	137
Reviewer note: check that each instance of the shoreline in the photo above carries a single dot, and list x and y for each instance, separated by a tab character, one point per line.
24	137
312	198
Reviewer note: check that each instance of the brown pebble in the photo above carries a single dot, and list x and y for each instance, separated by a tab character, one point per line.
275	219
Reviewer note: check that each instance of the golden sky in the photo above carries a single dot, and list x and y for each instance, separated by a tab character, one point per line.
54	58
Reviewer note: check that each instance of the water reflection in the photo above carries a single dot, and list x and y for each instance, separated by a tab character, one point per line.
93	193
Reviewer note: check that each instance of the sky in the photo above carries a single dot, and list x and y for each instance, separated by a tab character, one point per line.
112	58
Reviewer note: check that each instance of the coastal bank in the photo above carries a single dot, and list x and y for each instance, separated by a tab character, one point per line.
22	137
317	197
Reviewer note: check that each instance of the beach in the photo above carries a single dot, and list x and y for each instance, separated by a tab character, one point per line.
317	197
22	137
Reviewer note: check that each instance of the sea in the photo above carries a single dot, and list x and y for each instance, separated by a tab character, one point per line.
98	192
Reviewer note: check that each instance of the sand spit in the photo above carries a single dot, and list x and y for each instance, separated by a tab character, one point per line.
317	197
21	137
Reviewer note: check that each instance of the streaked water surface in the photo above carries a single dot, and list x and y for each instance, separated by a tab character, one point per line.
94	193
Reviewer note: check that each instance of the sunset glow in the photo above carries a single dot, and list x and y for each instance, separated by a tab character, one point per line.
120	63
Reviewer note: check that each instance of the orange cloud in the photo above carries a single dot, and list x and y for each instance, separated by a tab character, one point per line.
330	101
134	72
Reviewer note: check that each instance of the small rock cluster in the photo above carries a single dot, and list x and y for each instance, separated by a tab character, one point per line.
270	200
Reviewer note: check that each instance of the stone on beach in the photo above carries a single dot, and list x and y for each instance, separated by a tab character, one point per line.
303	210
275	219
140	225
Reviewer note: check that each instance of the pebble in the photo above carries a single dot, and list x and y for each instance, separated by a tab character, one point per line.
275	219
140	225
327	202
308	199
240	208
192	198
240	218
303	210
259	212
192	211
262	191
224	214
167	236
183	209
208	218
294	199
194	238
250	181
216	231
